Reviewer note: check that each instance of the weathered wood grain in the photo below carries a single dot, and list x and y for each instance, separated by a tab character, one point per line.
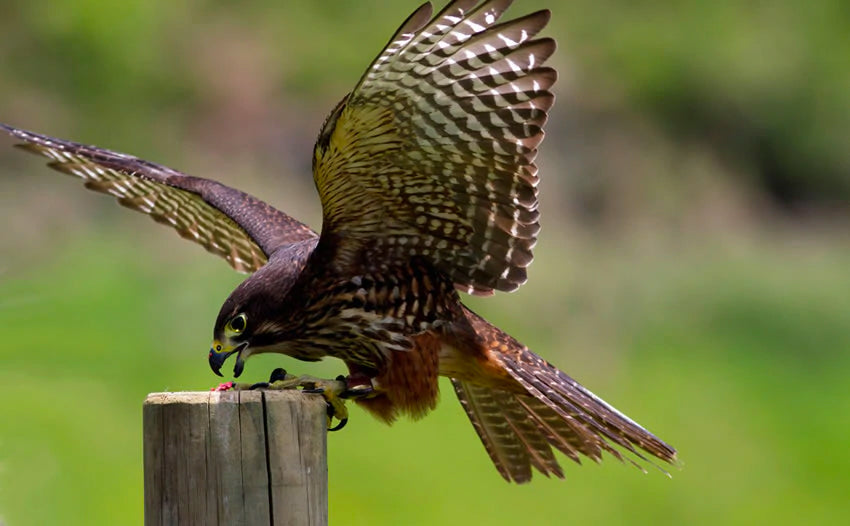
231	458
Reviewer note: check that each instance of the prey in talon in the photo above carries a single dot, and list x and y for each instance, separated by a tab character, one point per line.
427	179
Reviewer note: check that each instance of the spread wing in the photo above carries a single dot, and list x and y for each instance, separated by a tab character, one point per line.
229	223
432	154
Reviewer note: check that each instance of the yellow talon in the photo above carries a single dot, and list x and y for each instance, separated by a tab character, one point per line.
336	409
329	389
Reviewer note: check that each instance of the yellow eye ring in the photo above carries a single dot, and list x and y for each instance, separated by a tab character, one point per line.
237	324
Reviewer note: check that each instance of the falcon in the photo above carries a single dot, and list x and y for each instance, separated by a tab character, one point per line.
428	185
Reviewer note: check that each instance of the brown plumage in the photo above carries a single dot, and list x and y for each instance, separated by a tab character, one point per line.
428	185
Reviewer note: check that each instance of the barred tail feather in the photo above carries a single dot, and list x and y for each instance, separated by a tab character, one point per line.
545	409
514	442
581	414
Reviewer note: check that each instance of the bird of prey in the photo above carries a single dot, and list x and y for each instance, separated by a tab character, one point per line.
428	187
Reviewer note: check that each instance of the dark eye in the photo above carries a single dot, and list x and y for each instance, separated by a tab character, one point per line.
238	323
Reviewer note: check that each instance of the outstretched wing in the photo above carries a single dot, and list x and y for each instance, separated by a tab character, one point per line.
433	152
229	223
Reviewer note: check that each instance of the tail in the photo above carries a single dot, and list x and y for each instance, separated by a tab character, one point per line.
548	410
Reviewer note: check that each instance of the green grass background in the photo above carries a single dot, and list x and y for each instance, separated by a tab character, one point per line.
730	342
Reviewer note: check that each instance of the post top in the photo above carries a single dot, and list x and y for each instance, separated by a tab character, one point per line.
213	397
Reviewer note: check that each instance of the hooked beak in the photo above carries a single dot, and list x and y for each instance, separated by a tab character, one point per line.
219	354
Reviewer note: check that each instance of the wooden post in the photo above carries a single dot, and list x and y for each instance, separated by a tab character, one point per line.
235	457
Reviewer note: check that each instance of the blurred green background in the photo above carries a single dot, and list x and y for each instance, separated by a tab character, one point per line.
692	268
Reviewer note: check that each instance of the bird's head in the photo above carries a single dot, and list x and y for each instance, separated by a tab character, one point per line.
254	317
236	327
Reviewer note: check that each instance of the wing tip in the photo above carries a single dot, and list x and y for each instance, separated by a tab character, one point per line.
416	20
16	132
543	16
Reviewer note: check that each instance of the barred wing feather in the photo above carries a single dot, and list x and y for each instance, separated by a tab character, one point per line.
432	154
228	223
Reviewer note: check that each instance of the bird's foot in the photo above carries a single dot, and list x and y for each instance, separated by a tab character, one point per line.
357	386
335	391
331	390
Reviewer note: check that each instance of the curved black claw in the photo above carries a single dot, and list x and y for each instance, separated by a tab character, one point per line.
278	375
339	426
330	399
360	391
355	390
331	413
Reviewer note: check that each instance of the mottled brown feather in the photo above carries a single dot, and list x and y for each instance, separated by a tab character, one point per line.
408	381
